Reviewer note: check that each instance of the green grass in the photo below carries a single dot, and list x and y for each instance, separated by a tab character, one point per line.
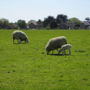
27	67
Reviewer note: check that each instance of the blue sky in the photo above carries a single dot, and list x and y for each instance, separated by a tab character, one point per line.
39	9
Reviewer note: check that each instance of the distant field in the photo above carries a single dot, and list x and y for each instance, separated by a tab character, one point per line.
27	67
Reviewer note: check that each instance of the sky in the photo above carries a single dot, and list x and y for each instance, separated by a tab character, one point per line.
14	10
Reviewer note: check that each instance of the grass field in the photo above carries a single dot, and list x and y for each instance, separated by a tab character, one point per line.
27	67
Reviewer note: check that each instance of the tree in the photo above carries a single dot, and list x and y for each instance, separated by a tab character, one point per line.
39	24
47	21
21	24
87	19
87	23
4	23
53	25
32	24
12	26
61	19
74	23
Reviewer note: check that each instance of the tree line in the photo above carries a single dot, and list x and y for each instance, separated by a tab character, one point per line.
50	22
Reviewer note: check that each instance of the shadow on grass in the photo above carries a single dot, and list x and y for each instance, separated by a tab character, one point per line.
19	43
80	51
55	54
58	55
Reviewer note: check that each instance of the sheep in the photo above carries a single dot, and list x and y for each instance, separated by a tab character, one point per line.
20	36
64	48
55	43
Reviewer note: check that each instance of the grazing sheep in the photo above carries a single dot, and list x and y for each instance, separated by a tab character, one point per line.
64	48
55	43
20	36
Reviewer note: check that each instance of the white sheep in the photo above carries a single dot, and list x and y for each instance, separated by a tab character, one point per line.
55	43
64	48
20	36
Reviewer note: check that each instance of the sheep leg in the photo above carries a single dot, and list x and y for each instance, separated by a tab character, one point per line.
63	52
69	51
58	51
13	40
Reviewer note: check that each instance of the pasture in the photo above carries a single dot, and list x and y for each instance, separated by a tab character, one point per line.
27	67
